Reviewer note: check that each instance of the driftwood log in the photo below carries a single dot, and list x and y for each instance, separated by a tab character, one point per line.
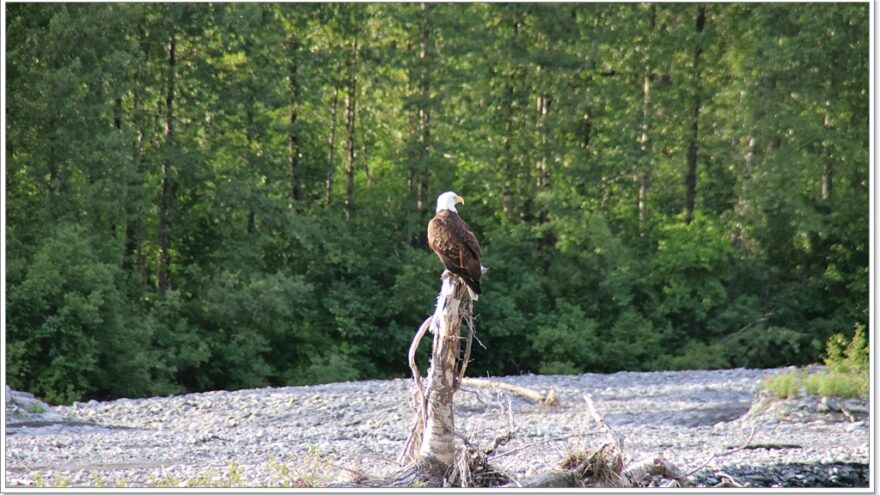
545	397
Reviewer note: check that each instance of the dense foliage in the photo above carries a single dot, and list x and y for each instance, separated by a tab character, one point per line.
232	195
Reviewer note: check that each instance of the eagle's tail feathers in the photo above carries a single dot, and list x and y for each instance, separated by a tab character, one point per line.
473	288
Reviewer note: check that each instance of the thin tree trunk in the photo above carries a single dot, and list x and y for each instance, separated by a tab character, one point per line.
507	144
134	262
543	173
412	204
293	150
423	201
586	131
55	179
117	113
365	158
331	146
644	139
745	182
350	116
165	198
249	139
826	180
690	180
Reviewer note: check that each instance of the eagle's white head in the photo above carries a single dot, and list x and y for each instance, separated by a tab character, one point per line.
448	200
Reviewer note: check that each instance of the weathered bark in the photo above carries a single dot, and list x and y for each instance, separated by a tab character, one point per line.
165	195
690	180
438	438
432	435
331	146
350	117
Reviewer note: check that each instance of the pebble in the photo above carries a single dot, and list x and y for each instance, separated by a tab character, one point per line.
687	416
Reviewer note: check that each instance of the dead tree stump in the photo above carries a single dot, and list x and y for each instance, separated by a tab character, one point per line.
430	455
432	437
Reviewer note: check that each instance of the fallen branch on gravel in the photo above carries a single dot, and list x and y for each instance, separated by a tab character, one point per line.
727	481
545	397
713	455
603	467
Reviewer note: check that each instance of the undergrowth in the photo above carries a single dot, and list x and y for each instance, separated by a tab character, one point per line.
847	374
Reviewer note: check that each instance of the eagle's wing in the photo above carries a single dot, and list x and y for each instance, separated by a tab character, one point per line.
453	258
470	240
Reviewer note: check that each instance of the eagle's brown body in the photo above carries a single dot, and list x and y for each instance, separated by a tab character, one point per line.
457	246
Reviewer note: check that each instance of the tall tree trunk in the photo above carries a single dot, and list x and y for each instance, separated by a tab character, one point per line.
742	202
542	179
165	197
423	202
507	144
644	139
249	139
826	180
134	262
117	113
508	179
690	180
55	179
350	116
293	150
331	146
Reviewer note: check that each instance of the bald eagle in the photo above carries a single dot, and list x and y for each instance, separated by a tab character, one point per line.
455	243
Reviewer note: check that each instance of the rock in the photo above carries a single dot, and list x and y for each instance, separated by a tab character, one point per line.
828	404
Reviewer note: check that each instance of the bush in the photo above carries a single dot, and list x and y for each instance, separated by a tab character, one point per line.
851	356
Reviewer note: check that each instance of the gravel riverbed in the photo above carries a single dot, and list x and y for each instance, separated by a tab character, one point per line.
714	423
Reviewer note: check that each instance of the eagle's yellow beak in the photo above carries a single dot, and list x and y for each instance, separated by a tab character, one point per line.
459	199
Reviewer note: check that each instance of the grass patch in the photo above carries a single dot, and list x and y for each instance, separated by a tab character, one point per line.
792	384
835	384
787	385
847	375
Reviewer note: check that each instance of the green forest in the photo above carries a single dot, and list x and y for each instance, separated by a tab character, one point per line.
220	196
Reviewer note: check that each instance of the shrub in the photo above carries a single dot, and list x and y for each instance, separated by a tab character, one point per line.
851	356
